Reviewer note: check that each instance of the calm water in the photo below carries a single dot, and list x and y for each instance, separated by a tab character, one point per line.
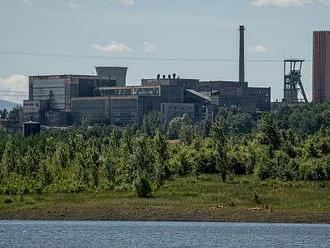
160	234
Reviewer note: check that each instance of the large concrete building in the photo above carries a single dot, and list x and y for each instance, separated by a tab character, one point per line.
103	99
235	93
171	96
321	66
61	89
127	105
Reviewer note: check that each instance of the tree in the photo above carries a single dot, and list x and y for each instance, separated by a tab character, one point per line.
14	113
151	123
180	127
141	167
109	165
268	133
8	161
220	149
161	158
3	114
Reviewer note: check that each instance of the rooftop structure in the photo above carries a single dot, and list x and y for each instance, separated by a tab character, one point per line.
117	74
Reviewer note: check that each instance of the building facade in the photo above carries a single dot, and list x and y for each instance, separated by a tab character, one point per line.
321	66
59	100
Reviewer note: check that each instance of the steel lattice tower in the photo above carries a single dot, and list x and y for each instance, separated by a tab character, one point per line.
292	81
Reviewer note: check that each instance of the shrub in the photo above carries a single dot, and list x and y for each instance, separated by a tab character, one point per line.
314	170
256	198
142	187
8	200
235	165
265	168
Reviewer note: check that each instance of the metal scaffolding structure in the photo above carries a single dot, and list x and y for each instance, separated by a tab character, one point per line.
292	81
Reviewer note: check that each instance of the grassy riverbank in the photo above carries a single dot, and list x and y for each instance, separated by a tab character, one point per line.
186	199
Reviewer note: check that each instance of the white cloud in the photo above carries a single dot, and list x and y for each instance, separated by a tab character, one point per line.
72	5
149	47
289	3
127	2
113	47
258	49
14	88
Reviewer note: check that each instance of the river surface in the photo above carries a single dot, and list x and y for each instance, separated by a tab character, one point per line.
160	234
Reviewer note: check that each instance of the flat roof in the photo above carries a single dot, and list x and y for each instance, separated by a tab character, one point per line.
63	76
129	87
90	98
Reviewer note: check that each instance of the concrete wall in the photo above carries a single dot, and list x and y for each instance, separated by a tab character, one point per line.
94	109
119	111
124	111
171	110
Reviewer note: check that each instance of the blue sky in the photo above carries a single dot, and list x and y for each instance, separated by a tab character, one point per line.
113	30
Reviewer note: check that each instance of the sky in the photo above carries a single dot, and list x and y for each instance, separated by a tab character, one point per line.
192	38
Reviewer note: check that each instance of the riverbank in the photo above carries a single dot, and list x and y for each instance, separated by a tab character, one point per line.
184	199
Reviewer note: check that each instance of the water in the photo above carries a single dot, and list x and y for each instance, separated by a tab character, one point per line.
160	234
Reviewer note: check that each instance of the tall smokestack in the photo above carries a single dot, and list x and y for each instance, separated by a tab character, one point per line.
241	55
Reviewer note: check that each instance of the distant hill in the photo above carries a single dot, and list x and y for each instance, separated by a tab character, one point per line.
7	105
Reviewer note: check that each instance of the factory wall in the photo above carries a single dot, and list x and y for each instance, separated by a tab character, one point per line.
94	109
171	110
119	111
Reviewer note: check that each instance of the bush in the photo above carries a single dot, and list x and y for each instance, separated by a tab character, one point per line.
265	169
314	170
66	186
8	200
180	164
142	187
256	198
235	165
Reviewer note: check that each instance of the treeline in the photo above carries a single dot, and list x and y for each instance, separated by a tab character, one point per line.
292	144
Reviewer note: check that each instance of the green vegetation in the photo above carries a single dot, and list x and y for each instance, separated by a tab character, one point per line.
246	159
203	198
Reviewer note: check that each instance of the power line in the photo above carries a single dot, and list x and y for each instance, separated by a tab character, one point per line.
79	56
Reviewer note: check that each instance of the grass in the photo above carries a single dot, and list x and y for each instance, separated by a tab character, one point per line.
190	199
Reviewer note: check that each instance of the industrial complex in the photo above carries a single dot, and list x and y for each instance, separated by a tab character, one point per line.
62	100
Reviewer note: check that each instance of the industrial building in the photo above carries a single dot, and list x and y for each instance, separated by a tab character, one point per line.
321	66
50	95
59	100
127	105
169	95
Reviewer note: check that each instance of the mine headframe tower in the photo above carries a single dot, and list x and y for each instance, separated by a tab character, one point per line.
292	81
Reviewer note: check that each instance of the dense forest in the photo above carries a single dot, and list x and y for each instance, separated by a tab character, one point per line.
291	144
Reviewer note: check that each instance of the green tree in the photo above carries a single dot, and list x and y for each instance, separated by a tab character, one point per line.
3	114
151	123
140	166
8	161
220	149
14	113
161	158
268	133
